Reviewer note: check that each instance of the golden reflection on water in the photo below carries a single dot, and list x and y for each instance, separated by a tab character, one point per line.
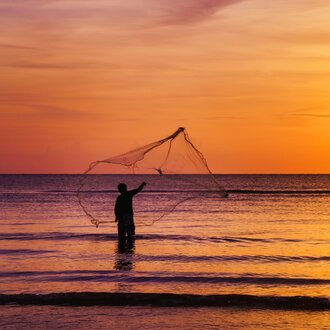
284	237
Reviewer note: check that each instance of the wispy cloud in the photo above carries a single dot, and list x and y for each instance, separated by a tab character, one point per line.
16	47
315	115
191	11
30	110
41	111
303	37
319	111
222	117
163	12
40	66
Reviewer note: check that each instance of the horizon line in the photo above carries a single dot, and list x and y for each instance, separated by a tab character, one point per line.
165	174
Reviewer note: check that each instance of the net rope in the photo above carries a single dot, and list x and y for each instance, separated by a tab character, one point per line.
173	161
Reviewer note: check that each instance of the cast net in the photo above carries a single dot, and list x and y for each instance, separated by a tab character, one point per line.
173	168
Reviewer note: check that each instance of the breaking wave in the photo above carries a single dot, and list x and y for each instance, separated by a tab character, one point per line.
167	300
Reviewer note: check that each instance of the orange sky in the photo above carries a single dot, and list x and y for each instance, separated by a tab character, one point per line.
83	80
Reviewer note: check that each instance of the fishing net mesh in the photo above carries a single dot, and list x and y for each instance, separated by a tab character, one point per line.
173	168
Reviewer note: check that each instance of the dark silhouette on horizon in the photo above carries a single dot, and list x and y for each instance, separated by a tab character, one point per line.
124	212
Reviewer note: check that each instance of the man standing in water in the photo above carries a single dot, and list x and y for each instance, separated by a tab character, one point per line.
124	211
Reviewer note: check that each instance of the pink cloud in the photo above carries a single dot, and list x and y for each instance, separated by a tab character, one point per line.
192	11
113	12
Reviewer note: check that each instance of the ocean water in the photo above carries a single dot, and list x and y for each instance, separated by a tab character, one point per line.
263	253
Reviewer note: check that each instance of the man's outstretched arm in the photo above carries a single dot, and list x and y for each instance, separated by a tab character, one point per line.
137	190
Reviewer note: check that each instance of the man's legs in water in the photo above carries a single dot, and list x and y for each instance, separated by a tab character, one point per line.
126	228
130	227
121	230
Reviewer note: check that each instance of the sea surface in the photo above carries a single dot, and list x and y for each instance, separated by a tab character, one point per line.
262	254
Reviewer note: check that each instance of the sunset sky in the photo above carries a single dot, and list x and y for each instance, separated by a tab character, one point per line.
84	80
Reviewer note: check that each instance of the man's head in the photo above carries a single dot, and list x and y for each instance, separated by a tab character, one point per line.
122	188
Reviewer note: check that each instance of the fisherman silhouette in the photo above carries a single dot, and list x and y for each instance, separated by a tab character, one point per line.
124	211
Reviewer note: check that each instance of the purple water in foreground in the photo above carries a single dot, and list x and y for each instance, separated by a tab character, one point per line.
270	238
